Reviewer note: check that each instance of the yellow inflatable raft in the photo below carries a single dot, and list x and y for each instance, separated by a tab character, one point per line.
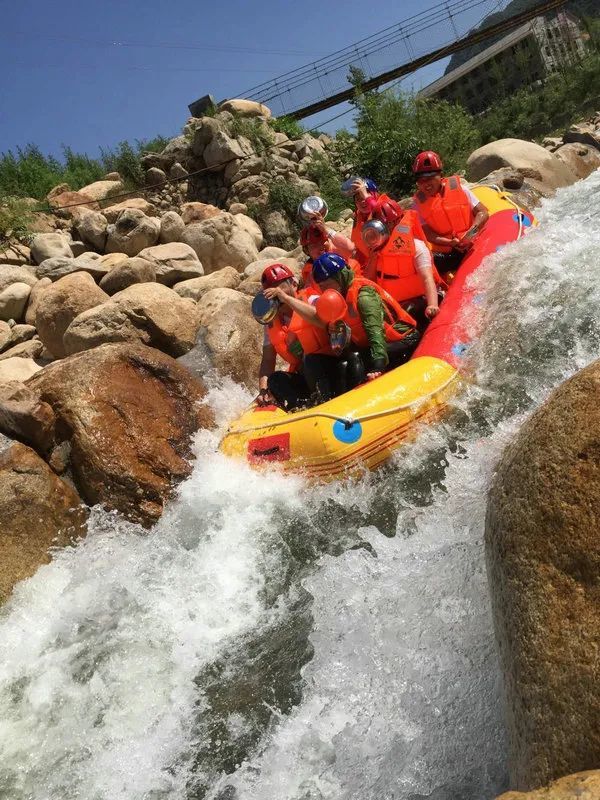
361	429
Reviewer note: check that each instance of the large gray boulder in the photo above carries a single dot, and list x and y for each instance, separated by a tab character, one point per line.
531	159
47	245
132	232
63	301
219	242
229	336
173	262
543	558
149	313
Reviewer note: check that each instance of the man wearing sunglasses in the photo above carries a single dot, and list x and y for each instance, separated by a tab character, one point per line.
450	214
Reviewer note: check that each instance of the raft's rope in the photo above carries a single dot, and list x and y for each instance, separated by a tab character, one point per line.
348	422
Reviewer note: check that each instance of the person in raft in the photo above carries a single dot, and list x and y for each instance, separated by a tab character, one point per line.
450	214
315	240
402	265
307	342
371	204
378	327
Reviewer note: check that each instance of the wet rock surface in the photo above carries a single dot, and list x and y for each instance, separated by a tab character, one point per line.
129	413
38	511
543	559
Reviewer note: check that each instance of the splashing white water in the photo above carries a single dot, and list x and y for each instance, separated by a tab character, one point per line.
103	651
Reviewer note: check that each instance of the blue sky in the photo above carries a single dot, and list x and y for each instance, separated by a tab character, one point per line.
90	74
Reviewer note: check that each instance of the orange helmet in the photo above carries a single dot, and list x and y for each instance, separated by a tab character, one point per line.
427	163
275	274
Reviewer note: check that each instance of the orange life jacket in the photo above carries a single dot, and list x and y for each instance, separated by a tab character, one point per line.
312	338
394	264
448	212
393	312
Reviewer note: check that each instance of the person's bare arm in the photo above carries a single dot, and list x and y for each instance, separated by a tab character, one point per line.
307	311
435	238
265	370
424	266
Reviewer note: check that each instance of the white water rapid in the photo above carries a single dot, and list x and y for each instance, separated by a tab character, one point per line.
273	641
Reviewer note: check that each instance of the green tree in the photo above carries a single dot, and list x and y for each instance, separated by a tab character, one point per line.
392	128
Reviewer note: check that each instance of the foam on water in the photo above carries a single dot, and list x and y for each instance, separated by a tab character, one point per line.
108	683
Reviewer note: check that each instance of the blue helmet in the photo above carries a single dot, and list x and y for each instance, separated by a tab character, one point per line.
371	185
327	265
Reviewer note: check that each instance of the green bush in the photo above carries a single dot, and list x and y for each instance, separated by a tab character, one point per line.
15	216
291	127
284	197
392	128
254	130
29	173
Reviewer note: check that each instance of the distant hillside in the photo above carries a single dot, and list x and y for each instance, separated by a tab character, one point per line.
583	8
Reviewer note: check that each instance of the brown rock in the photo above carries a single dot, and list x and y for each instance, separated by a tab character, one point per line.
580	158
5	334
25	417
13	274
17	369
144	312
63	301
35	297
543	555
523	156
198	212
226	278
37	511
132	232
126	273
33	349
129	413
171	227
70	204
173	262
581	786
112	212
16	253
230	335
584	133
57	191
101	190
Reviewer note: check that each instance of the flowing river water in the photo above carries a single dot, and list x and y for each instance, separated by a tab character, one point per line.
273	641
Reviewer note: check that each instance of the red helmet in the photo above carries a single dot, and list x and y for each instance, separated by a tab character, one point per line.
427	163
388	212
275	274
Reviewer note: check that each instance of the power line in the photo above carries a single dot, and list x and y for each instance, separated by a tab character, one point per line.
160	45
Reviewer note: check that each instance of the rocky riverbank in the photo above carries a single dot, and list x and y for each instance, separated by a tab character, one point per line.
111	290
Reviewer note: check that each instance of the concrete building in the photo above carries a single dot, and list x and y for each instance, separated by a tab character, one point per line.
522	58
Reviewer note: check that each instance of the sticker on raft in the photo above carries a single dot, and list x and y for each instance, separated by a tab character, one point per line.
347	432
459	349
523	218
269	448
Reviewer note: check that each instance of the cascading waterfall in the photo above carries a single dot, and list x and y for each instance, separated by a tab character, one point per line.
276	641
